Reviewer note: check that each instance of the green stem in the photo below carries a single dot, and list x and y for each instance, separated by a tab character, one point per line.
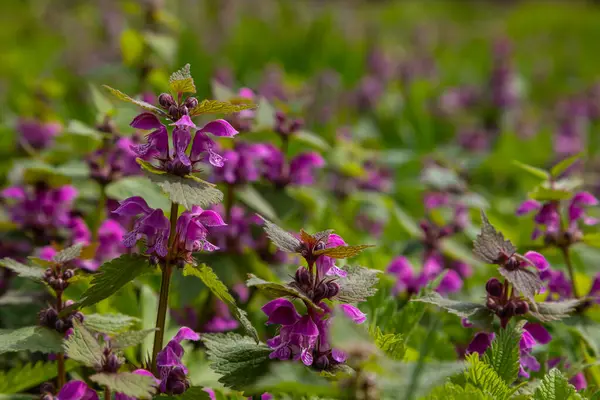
60	357
567	257
99	214
163	302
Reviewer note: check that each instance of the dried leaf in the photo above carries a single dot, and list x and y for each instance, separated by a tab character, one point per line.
523	280
218	107
490	244
283	240
343	251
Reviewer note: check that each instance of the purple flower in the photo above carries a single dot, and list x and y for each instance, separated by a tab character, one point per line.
577	208
121	396
326	265
533	334
450	283
76	390
406	280
222	321
300	170
110	237
177	160
558	283
353	313
480	343
37	134
242	165
236	236
114	161
172	372
578	380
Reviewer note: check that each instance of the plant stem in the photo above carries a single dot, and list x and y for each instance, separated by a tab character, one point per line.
567	257
60	357
163	302
99	213
107	393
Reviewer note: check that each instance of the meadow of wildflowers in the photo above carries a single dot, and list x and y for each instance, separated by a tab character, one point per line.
271	199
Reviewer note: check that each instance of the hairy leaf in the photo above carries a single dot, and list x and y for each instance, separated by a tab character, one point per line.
130	338
523	280
554	310
274	290
238	359
554	386
188	191
490	244
181	81
218	288
392	344
218	107
23	377
138	186
30	338
503	354
111	277
484	377
127	383
146	106
109	323
68	254
358	285
343	251
460	308
543	193
564	165
81	346
533	171
193	393
23	270
284	240
452	391
12	297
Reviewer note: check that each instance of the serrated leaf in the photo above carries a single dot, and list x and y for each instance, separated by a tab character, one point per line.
30	338
503	354
193	393
555	310
218	107
343	251
218	288
392	344
460	308
490	244
253	199
564	165
238	359
81	346
485	378
358	285
68	254
181	81
23	270
146	106
284	240
592	239
109	323
111	277
188	191
275	290
554	386
525	281
23	377
451	391
19	297
127	383
130	338
533	171
542	193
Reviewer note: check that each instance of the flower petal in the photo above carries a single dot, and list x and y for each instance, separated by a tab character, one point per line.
538	260
281	311
186	333
181	140
184	122
219	127
481	341
74	390
450	283
538	332
211	218
528	206
133	206
353	313
146	121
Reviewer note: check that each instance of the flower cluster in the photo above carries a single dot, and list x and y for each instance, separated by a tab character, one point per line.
73	390
299	171
190	232
115	159
171	371
37	134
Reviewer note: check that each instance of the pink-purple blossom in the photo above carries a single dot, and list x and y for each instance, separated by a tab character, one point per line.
171	371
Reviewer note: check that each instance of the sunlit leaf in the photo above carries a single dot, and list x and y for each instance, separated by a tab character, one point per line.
181	81
146	106
127	383
358	285
81	346
218	107
30	338
275	290
343	251
188	191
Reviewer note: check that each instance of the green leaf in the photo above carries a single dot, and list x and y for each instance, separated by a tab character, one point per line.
238	359
138	186
30	338
181	81
132	46
490	244
484	377
533	171
111	277
130	338
23	270
523	280
218	288
592	239
81	346
147	166
441	178
24	377
218	107
392	344
146	106
542	193
503	354
188	191
102	104
460	308
109	323
47	174
564	165
343	251
275	290
127	383
554	386
193	393
358	285
284	240
296	381
253	199
452	391
554	310
313	140
68	254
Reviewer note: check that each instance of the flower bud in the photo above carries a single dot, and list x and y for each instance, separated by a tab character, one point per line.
296	124
166	100
47	388
48	273
176	381
303	276
111	363
180	263
494	287
512	264
79	316
174	112
68	274
333	289
280	117
191	102
322	363
507	311
321	292
154	260
491	303
183	110
60	326
521	307
48	317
